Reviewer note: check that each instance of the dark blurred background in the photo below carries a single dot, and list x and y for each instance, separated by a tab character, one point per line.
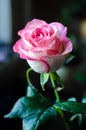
14	14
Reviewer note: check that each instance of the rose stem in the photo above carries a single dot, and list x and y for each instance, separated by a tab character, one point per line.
58	99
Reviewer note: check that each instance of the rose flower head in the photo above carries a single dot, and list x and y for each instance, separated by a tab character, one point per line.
43	45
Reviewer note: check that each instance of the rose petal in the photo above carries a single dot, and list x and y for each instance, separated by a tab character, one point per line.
55	62
57	26
35	23
47	64
67	46
39	54
20	49
38	66
59	29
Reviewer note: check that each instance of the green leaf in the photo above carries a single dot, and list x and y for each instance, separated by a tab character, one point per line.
36	111
42	119
69	58
32	91
71	106
43	79
72	99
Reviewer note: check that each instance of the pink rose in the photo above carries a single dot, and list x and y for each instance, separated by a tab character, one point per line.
43	45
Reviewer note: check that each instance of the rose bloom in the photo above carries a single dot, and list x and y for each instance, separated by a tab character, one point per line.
43	45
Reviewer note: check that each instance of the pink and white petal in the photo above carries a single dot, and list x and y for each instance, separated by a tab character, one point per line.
35	23
39	66
24	31
48	28
51	52
68	46
20	49
46	44
55	62
36	54
61	34
57	26
59	29
28	41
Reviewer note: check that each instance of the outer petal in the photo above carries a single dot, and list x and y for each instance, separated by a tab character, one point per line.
55	62
20	49
67	45
58	26
60	30
35	23
39	66
47	64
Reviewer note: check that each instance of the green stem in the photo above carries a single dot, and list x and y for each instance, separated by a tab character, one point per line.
58	99
54	87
